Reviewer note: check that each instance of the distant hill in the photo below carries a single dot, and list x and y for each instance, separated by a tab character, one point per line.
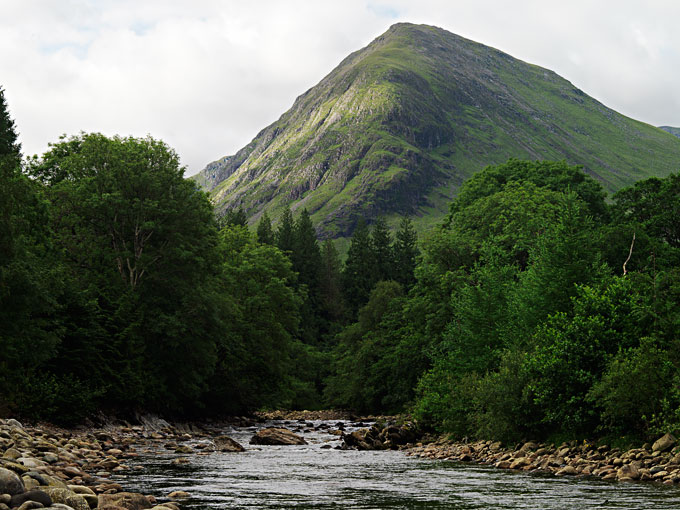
400	124
672	130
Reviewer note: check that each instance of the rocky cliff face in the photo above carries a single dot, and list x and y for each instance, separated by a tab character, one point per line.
398	125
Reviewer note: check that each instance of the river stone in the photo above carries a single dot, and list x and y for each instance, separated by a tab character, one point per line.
227	444
35	495
67	497
5	499
664	443
276	436
12	454
10	483
30	483
128	500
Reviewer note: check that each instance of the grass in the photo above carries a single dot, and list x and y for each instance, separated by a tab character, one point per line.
400	124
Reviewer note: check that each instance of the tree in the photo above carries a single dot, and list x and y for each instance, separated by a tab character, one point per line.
233	216
141	244
330	283
564	256
405	253
359	275
383	254
30	328
255	347
265	233
285	235
552	175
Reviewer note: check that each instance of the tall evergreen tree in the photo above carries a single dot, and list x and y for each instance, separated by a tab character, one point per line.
405	253
330	283
306	259
265	233
285	235
381	243
29	328
306	253
233	217
360	272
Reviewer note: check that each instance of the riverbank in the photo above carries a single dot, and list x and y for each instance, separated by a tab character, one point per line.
45	466
659	462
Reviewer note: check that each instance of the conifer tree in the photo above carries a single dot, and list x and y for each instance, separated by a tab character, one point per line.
306	258
359	275
381	243
330	283
405	253
233	217
265	233
306	253
285	236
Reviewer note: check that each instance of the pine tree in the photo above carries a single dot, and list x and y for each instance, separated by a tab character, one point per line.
360	272
306	253
285	236
405	253
381	243
306	259
265	233
330	283
233	217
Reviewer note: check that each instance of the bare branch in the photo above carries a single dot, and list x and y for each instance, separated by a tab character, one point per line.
630	253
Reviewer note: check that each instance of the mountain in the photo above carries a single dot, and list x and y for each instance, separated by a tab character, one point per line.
672	130
397	126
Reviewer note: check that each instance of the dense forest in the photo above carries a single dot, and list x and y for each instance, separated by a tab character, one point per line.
539	308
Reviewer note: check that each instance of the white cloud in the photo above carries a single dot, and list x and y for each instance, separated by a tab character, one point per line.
207	75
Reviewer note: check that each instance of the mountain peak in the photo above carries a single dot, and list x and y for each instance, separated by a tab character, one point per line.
397	126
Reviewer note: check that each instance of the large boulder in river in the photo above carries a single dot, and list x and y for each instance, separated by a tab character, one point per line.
276	436
10	483
227	444
665	443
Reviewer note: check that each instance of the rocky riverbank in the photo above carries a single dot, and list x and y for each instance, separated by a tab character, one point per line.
47	467
659	462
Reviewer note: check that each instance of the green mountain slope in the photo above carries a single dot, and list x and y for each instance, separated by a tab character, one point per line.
672	130
398	125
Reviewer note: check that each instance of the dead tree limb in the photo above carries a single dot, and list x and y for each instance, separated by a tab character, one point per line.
630	253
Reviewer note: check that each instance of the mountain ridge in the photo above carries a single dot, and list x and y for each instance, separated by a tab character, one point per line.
397	126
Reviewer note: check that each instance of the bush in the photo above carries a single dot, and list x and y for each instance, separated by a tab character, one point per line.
633	389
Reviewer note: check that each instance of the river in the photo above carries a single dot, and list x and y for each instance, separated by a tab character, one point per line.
311	477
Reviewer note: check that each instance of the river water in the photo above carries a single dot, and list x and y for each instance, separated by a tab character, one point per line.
312	477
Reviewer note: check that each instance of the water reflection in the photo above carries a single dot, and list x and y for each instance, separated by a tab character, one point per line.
309	477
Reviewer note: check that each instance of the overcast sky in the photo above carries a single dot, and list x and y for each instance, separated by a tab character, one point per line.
206	75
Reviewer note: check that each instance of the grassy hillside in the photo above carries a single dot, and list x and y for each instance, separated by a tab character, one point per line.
399	125
672	130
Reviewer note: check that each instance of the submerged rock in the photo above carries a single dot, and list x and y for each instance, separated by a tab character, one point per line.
276	436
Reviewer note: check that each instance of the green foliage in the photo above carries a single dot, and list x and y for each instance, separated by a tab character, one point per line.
265	233
635	389
358	381
331	297
383	254
406	253
254	351
359	275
